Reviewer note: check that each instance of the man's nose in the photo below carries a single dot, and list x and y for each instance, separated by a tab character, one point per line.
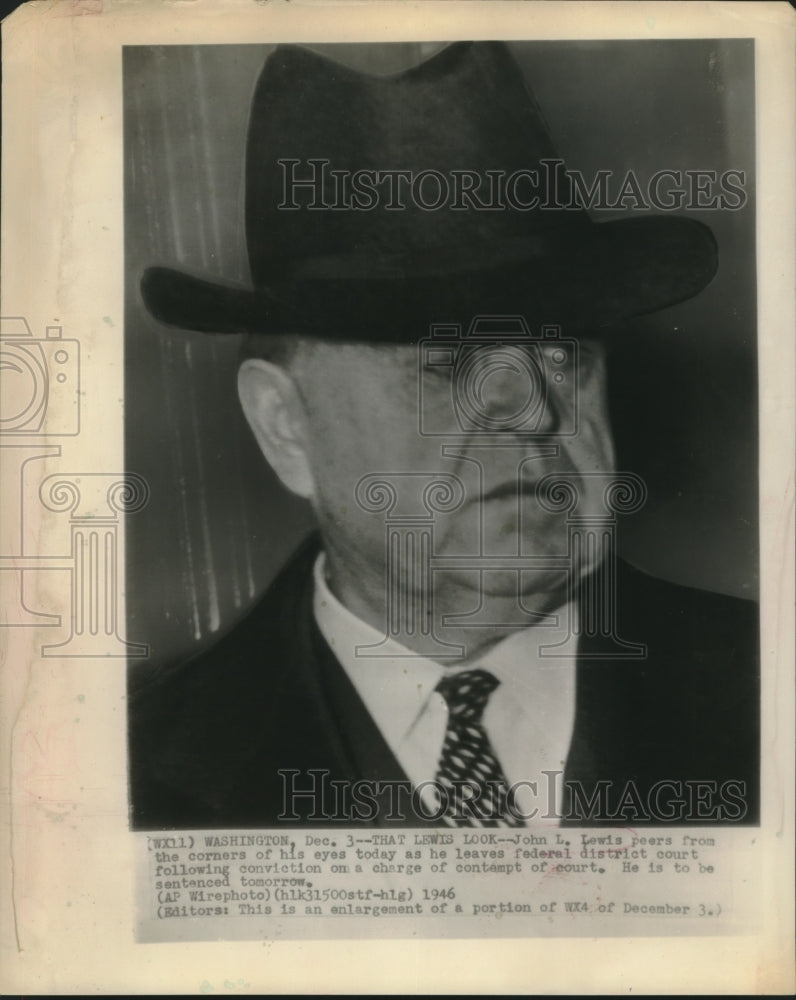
506	387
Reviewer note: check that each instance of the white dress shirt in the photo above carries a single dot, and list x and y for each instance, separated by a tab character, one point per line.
529	717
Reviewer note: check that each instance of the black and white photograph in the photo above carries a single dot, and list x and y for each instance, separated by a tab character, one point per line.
441	367
397	455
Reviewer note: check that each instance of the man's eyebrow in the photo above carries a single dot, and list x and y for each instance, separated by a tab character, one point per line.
401	354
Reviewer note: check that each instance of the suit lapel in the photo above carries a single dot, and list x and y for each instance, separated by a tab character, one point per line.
350	724
610	703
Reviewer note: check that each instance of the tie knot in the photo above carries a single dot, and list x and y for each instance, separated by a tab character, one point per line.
467	693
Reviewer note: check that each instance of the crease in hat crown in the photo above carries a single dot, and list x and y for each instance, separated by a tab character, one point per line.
387	275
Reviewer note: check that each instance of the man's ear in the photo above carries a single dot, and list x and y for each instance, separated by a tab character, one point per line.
277	417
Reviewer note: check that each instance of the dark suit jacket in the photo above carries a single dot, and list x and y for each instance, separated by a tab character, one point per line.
209	738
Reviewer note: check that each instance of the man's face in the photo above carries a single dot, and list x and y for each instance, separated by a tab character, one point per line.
363	419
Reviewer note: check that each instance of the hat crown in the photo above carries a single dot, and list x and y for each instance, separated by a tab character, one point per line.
384	265
320	130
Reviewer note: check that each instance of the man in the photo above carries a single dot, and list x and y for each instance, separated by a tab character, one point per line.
425	363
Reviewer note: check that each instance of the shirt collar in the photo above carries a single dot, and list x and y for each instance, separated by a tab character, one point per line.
395	684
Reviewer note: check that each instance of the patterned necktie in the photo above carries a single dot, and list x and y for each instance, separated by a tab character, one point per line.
468	769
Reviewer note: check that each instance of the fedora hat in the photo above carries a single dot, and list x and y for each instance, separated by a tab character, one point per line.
348	259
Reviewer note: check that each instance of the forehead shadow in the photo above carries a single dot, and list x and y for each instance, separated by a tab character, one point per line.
397	362
380	357
336	371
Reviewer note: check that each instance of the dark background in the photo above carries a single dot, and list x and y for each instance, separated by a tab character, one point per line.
683	382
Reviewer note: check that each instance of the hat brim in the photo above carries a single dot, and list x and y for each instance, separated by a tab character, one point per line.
585	276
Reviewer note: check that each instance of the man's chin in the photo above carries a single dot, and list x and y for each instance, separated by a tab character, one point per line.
533	590
529	586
